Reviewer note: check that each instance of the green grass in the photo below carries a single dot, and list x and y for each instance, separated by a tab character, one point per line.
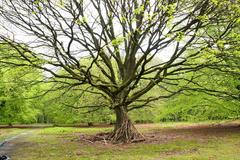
61	143
63	149
70	130
227	148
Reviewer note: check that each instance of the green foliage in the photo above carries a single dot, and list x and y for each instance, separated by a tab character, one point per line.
145	115
15	85
199	107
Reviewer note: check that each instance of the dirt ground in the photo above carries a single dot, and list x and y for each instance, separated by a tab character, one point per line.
153	134
200	132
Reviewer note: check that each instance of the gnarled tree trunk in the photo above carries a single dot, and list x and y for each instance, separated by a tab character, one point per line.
124	130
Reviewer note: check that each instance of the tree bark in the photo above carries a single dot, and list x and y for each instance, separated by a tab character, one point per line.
124	130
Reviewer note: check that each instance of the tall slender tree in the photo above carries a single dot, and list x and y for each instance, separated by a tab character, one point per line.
120	41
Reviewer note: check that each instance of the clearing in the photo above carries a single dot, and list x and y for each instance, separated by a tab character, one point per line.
166	141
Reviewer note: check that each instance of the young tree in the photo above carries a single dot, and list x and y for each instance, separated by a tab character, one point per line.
121	41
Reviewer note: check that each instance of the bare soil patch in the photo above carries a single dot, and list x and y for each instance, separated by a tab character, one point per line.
200	133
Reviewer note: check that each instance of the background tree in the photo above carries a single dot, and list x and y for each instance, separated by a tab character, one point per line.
73	107
120	40
15	86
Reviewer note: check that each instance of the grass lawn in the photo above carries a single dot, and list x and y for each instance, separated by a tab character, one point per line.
169	141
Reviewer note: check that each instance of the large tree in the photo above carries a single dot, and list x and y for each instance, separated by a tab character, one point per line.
114	46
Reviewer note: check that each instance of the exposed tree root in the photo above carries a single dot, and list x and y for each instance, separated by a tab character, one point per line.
126	133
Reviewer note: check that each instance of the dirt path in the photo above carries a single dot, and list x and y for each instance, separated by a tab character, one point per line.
8	145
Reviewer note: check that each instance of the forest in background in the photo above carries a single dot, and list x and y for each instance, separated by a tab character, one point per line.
27	96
